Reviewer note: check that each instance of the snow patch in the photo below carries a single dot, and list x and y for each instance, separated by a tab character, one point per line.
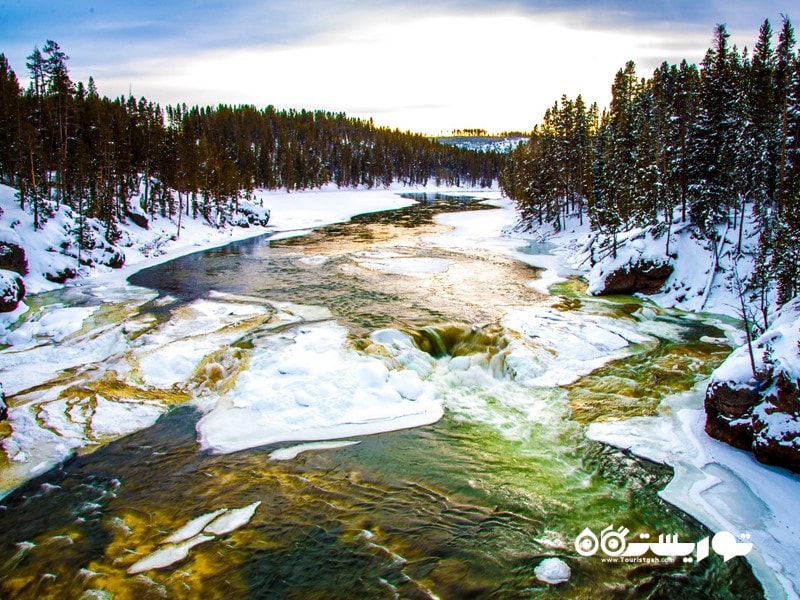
552	571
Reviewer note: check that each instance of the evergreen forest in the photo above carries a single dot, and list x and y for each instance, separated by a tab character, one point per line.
61	143
691	146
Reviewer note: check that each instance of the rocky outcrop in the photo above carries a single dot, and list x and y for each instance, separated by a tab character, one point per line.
762	417
642	277
12	258
139	219
729	412
753	399
12	290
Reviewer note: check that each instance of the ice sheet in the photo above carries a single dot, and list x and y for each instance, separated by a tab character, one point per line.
317	390
556	348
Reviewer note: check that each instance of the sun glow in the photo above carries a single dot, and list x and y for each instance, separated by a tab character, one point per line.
428	74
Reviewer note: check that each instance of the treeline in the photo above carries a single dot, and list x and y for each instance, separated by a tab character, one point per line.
62	143
699	144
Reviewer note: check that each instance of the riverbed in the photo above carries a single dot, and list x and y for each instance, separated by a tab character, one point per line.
452	393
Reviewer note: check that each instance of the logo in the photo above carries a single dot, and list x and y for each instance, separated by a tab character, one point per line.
614	544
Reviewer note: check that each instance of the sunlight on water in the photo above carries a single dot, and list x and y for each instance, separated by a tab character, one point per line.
466	507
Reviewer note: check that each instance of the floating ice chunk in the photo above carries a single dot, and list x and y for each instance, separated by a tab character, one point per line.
169	555
552	571
233	519
314	261
119	418
316	391
291	452
408	265
193	527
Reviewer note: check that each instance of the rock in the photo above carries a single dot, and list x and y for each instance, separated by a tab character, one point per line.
62	275
763	417
729	413
114	259
3	405
12	258
139	219
12	290
776	425
644	276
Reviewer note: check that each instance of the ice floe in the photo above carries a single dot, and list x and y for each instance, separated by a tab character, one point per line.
319	390
205	528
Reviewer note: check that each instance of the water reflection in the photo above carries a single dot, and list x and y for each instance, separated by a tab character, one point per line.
464	508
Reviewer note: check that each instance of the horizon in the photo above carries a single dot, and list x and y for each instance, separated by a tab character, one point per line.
425	68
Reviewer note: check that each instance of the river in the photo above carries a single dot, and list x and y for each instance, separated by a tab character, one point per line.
193	504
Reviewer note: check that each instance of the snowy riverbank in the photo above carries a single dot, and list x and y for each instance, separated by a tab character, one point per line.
84	367
724	488
95	339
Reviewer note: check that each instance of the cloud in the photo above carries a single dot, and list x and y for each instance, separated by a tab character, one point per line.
423	72
416	64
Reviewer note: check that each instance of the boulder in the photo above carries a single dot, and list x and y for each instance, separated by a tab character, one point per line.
762	417
729	413
643	277
12	258
139	219
12	290
62	275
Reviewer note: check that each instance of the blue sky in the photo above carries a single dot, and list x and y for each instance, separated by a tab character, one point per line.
424	65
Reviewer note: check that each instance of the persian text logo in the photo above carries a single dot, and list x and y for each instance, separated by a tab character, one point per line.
614	544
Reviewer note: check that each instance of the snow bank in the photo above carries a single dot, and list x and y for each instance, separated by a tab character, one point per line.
724	488
778	349
694	285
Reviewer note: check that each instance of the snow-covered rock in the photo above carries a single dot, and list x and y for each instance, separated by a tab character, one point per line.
12	255
12	291
553	571
758	409
645	276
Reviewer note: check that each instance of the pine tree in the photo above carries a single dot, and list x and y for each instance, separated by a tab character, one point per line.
715	137
10	117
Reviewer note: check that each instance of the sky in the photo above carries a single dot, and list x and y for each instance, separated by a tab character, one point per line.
428	66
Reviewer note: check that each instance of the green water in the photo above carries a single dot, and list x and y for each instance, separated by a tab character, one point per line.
464	508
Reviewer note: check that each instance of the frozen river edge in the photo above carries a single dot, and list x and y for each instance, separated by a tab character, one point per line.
709	475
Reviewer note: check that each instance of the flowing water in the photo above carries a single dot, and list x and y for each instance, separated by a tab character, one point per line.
464	508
